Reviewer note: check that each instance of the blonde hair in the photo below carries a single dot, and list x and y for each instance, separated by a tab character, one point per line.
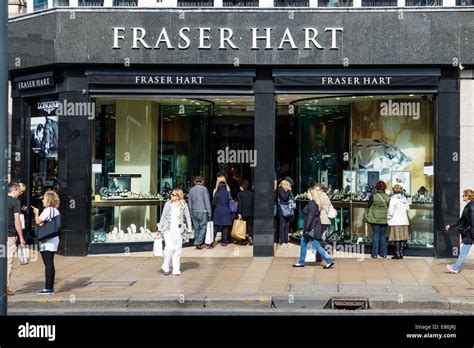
52	199
397	189
285	185
219	179
469	193
22	187
180	195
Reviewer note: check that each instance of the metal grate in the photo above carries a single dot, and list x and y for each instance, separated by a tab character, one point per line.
113	283
348	303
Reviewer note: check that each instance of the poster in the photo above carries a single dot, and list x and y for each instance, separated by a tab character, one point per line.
349	180
44	136
402	178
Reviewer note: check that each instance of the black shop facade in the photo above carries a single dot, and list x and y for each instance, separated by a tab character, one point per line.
123	106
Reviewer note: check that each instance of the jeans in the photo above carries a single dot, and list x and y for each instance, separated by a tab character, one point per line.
462	256
317	246
49	270
200	224
379	240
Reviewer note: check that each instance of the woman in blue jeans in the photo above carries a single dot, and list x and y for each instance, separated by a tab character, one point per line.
312	221
377	218
466	229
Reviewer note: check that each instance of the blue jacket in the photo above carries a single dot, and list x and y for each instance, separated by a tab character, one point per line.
222	214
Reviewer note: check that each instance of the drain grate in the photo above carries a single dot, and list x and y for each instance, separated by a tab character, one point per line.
348	303
113	283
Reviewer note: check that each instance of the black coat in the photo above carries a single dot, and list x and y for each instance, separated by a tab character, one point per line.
466	223
312	219
245	206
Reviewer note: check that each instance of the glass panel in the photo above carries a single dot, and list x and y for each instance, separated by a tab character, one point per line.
291	3
373	3
424	3
191	3
61	2
240	3
125	3
348	143
335	3
39	5
464	2
91	2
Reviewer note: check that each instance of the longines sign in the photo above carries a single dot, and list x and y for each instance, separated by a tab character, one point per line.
307	38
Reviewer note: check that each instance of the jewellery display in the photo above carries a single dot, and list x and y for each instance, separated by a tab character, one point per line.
133	234
422	196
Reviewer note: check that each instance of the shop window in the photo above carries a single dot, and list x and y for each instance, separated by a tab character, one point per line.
464	2
125	3
424	2
193	3
240	3
61	2
91	3
143	148
348	143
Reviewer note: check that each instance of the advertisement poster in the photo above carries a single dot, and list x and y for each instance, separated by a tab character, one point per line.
44	136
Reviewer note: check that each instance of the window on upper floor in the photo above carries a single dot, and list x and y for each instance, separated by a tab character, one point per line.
125	3
39	5
464	2
335	3
291	3
195	3
61	3
424	2
240	3
91	2
382	3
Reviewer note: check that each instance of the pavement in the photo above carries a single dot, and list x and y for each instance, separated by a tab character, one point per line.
231	279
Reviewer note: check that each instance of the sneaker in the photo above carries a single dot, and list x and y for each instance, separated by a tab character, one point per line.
210	246
223	244
10	292
199	247
250	240
452	269
373	256
166	273
298	265
177	274
45	292
329	265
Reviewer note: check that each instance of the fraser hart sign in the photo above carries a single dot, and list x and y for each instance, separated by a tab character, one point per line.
224	38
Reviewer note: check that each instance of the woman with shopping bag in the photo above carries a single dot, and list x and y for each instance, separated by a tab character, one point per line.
245	209
222	213
175	222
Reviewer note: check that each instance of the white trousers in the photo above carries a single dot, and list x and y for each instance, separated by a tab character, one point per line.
172	252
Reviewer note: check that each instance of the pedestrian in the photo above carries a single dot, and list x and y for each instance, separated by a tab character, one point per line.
377	218
398	221
173	229
245	208
284	197
465	224
199	204
14	230
49	246
312	221
222	214
325	206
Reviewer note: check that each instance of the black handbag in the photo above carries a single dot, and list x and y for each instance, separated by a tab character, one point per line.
50	228
311	234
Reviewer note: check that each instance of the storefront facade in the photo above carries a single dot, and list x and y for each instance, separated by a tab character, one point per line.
145	100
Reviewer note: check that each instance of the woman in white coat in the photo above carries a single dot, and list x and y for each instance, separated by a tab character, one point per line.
175	222
398	222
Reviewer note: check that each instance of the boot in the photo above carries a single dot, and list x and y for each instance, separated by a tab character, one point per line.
396	254
402	243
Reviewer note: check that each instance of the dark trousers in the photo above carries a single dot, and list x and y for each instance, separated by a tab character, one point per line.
249	225
225	233
49	270
284	228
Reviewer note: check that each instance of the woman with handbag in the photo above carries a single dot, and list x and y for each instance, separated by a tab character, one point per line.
465	224
377	218
48	247
285	209
173	229
222	213
397	218
312	231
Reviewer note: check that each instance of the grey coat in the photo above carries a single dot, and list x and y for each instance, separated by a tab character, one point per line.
165	221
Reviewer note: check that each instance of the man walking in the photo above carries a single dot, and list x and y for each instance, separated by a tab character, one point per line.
199	204
14	228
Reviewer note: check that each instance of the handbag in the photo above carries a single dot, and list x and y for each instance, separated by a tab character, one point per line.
50	228
287	210
232	205
310	253
239	229
311	234
24	255
332	213
209	233
158	247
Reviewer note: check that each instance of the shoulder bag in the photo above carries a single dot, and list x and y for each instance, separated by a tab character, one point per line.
50	228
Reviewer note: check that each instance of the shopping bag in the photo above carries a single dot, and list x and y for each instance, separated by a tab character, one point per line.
239	229
310	253
24	255
209	233
158	247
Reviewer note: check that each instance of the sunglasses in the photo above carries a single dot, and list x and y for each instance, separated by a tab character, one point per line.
174	194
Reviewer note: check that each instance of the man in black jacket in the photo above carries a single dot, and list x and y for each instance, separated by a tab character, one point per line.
245	208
